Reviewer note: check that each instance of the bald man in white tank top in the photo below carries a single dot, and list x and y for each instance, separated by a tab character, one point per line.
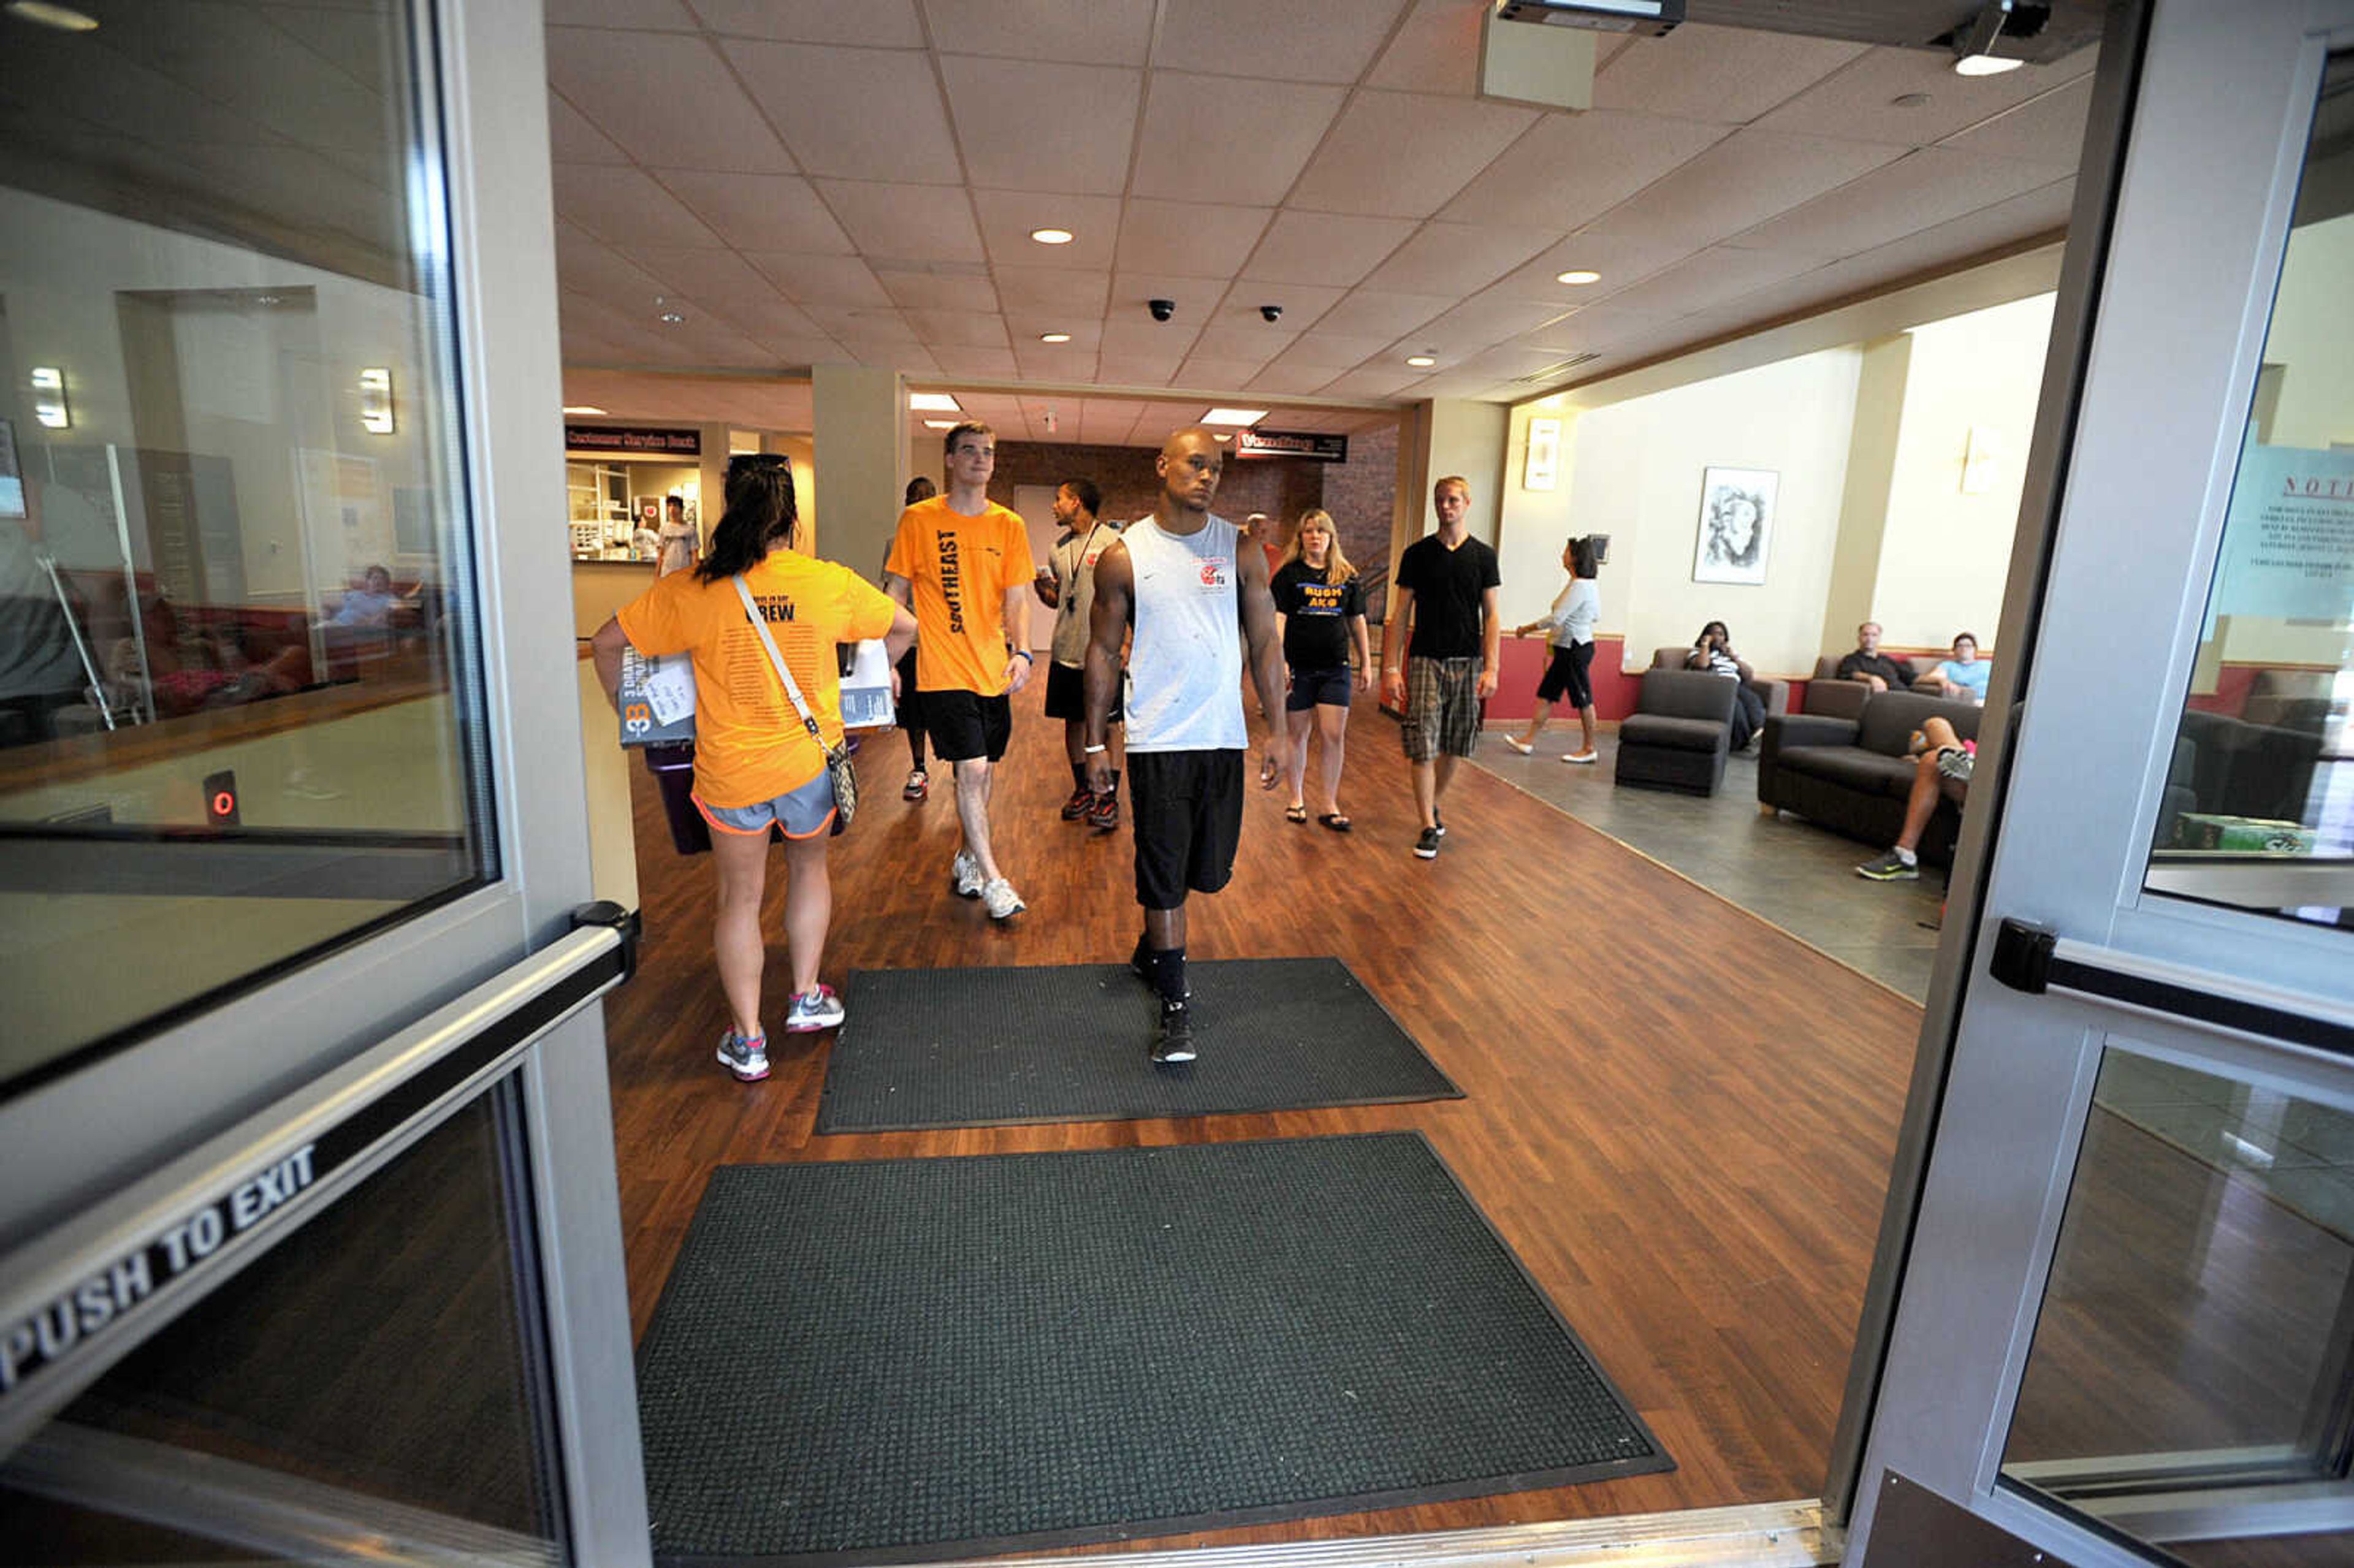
1181	579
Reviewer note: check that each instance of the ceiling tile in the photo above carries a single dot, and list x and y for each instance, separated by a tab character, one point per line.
1860	102
1712	277
1333	352
825	102
760	212
1027	327
621	205
1055	361
1406	154
834	281
1288	380
1621	259
1209	138
1485	319
1368	312
1379	382
631	87
1078	144
883	24
1090	31
1304	305
1739	183
1219	375
960	329
867	324
1142	337
903	223
2046	130
1920	190
1079	294
1258	342
1324	248
1573	167
1727	75
938	291
1192	239
1196	298
981	364
587	265
1457	258
572	140
667	15
1007	218
1137	369
1316	40
1437	51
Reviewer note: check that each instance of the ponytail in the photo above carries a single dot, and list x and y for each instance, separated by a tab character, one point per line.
759	516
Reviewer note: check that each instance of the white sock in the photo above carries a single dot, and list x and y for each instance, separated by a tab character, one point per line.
1906	855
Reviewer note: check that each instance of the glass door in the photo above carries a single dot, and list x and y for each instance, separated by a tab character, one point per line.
288	769
2125	1330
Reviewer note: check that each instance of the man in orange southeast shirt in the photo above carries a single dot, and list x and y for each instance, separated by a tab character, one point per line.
962	563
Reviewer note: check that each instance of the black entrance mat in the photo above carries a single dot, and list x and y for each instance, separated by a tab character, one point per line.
911	1359
979	1048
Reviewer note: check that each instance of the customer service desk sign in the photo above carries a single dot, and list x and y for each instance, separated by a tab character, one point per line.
2288	541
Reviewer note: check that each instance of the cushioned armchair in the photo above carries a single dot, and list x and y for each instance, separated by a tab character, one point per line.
1775	694
1679	732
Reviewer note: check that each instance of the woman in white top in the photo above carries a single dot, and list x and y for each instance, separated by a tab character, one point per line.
1569	627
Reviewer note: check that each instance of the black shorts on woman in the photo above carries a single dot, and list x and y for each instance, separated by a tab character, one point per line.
1566	675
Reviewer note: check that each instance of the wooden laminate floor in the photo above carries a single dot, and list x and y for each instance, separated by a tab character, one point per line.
1680	1119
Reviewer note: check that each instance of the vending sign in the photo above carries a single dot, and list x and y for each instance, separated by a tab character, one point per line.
1312	445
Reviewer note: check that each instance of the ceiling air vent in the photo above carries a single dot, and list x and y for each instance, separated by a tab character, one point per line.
1554	371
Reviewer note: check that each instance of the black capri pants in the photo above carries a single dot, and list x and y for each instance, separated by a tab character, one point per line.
1567	676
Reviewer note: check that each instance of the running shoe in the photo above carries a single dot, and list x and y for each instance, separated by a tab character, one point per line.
1103	811
1174	1041
746	1058
1003	901
1890	867
918	785
819	1009
1437	822
1076	806
966	871
1426	846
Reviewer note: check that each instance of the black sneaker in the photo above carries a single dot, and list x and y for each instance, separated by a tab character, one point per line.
1437	822
1174	1041
1076	806
1426	846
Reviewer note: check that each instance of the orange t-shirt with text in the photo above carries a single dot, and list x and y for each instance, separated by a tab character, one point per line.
750	743
958	569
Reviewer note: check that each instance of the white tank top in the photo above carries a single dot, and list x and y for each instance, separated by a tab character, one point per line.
1185	666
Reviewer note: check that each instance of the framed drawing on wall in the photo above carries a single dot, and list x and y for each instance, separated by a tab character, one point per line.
1736	524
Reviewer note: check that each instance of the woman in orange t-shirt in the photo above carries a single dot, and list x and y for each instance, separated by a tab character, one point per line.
756	765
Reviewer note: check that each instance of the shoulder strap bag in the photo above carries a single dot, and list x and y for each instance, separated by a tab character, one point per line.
838	767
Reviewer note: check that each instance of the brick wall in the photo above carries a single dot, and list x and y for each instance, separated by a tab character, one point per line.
1360	494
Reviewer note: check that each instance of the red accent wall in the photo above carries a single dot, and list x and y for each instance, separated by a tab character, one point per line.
1524	659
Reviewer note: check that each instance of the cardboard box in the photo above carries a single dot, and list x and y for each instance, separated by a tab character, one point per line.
2240	835
657	698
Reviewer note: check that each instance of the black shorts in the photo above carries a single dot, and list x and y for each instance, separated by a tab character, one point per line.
1567	676
1317	689
1066	693
911	713
965	725
1188	813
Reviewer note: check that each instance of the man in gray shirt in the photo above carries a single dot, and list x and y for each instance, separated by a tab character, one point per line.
1066	585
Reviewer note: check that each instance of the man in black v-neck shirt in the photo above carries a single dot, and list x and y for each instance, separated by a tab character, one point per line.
1439	650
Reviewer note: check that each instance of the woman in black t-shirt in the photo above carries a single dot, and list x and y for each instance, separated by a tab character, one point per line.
1320	603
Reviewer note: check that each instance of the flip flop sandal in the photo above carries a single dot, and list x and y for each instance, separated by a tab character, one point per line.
1294	813
1337	823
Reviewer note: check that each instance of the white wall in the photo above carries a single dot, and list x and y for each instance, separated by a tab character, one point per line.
2313	336
1945	555
1634	472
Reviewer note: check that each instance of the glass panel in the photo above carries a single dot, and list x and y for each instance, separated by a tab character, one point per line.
374	1380
2189	1382
2259	808
235	646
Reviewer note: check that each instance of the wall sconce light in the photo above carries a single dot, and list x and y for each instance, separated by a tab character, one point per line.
375	400
1542	467
1979	460
49	397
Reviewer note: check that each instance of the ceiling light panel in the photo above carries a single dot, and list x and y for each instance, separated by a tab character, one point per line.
1223	415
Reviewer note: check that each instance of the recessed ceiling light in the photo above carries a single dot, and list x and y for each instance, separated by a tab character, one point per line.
64	18
1051	236
1421	360
671	318
939	424
1985	65
582	408
1577	275
1054	338
934	403
1234	415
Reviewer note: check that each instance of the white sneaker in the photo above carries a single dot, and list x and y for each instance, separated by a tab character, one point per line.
1003	901
966	870
819	1009
1517	744
1579	756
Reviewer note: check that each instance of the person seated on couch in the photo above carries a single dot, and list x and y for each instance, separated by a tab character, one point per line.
1962	678
1942	772
371	604
1712	650
1872	667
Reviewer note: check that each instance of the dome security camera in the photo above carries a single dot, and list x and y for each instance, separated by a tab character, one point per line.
1271	313
1162	309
